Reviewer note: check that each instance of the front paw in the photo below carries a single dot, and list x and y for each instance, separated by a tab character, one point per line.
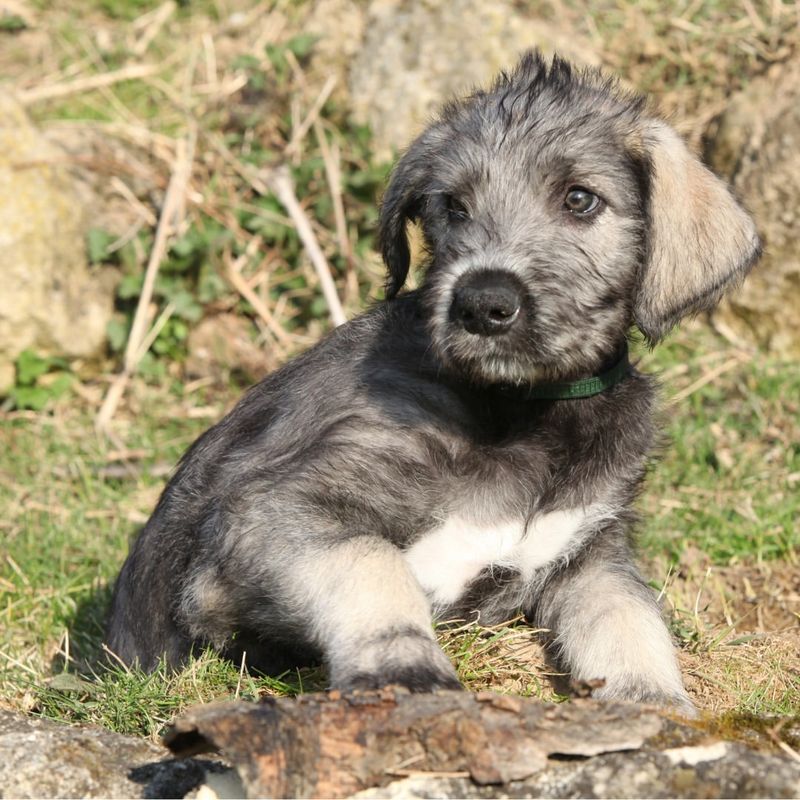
410	659
415	678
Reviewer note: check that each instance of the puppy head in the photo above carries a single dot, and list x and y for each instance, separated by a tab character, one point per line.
557	213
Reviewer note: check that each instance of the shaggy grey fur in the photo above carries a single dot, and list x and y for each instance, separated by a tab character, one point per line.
402	468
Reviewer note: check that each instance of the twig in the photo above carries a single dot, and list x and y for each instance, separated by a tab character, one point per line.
167	224
726	332
64	647
155	329
88	84
330	157
755	20
303	128
254	180
141	209
730	364
109	652
20	664
16	567
128	236
280	182
773	734
245	290
152	23
220	91
159	145
788	750
210	55
241	675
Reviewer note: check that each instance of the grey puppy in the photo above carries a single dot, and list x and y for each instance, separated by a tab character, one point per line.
473	446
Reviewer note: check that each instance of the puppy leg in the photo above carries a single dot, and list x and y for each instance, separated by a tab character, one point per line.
607	625
370	618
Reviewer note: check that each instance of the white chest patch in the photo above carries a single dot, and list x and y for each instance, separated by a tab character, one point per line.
447	558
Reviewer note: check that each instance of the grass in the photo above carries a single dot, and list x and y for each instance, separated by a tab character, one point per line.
67	516
730	475
142	704
720	509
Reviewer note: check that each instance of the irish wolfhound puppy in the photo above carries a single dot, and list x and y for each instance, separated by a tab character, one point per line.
472	446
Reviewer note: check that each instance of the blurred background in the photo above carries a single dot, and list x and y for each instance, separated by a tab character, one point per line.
188	197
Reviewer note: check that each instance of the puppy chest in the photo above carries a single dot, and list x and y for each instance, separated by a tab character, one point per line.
446	559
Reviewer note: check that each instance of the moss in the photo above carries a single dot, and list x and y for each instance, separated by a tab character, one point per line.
760	732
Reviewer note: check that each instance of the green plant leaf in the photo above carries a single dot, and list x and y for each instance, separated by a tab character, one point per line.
117	333
30	366
184	246
319	307
130	286
97	244
59	385
302	44
67	682
186	307
34	398
12	23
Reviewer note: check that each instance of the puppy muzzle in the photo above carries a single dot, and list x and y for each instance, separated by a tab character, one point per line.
486	302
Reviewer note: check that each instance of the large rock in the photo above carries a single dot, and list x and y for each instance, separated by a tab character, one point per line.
757	146
718	770
49	300
39	758
400	60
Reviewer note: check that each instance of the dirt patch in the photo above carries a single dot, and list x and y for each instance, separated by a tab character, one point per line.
759	674
740	627
738	631
762	598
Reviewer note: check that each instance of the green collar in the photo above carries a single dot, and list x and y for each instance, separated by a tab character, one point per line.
587	387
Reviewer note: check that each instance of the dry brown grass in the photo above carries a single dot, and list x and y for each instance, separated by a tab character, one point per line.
741	631
738	627
690	55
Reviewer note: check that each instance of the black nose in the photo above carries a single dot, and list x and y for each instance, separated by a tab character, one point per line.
486	303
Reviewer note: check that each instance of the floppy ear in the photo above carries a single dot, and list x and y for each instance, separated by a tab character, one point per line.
401	203
700	240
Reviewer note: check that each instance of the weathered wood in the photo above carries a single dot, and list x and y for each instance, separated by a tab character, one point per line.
333	745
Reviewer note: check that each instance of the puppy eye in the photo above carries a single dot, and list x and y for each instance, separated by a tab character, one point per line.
456	210
581	201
